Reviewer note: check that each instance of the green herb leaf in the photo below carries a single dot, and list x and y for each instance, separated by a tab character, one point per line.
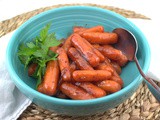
30	45
37	51
44	32
39	76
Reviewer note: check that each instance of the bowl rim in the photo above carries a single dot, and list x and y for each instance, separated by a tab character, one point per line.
20	83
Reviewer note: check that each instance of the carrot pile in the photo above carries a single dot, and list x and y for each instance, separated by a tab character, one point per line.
87	66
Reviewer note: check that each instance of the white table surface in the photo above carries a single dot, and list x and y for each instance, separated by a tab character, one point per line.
11	8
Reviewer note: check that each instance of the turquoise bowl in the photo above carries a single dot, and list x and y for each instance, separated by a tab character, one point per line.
63	19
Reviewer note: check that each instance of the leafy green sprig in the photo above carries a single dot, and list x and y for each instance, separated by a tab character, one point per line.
37	51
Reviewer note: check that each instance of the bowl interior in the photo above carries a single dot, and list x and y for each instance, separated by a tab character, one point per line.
63	20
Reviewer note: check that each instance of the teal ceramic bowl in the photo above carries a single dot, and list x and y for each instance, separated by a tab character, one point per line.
63	19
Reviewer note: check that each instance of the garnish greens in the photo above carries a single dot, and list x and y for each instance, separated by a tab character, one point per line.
37	51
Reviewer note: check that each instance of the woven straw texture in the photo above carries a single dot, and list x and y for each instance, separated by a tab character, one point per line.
140	106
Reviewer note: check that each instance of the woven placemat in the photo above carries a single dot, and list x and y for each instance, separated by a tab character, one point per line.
140	106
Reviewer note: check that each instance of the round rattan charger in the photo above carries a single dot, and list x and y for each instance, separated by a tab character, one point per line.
140	106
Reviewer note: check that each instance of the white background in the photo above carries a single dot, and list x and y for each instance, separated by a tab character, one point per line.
11	8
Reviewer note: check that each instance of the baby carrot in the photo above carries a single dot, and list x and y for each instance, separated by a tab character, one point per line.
91	89
64	64
109	86
51	77
91	75
100	38
74	91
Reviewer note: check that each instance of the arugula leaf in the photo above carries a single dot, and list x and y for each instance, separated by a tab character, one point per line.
37	51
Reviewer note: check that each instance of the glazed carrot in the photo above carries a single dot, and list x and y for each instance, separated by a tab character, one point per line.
78	59
99	54
100	38
116	67
64	64
74	92
77	29
109	86
91	89
85	50
91	75
113	54
108	62
51	77
106	65
115	77
73	67
67	43
61	95
32	69
93	29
